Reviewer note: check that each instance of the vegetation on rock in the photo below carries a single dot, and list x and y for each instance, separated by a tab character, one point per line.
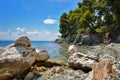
92	17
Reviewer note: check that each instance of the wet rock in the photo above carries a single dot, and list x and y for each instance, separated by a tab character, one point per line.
15	59
42	55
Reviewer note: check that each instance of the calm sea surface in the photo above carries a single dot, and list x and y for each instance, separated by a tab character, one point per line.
56	51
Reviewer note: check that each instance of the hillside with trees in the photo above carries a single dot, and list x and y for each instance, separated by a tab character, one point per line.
94	21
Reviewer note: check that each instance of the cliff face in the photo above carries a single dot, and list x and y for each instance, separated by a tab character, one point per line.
84	38
89	39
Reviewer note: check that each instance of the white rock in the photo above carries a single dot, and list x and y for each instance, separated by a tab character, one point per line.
72	49
80	61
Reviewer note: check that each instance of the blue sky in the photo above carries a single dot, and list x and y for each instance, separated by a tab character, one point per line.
37	19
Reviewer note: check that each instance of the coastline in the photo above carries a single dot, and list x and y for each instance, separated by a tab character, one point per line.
80	64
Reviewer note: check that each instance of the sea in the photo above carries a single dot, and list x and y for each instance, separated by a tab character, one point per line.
55	50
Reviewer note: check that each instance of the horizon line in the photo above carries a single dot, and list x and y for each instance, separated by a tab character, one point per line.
30	40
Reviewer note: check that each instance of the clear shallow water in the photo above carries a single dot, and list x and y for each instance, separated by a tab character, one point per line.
56	51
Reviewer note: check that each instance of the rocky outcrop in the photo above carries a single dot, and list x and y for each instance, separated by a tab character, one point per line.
68	39
80	61
106	69
86	39
16	58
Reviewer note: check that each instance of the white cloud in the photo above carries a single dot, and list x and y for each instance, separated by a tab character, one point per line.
20	29
33	35
49	21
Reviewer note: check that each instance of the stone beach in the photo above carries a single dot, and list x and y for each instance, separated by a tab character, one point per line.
21	61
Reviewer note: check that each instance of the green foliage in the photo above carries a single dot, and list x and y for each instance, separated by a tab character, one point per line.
64	25
91	16
82	30
102	29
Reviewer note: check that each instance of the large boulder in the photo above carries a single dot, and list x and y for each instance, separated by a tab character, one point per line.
16	58
106	69
81	61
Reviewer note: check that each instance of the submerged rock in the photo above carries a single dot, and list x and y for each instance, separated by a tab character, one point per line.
15	59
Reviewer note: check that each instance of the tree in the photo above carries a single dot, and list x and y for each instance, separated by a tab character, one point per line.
92	16
64	25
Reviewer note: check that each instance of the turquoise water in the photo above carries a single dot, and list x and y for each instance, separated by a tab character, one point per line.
56	51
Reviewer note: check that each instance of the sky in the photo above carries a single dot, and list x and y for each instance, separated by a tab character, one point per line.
37	19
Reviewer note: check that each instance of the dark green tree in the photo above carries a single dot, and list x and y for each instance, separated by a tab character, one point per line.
92	16
64	25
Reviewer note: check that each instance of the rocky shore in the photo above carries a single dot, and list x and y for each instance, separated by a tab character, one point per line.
21	61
